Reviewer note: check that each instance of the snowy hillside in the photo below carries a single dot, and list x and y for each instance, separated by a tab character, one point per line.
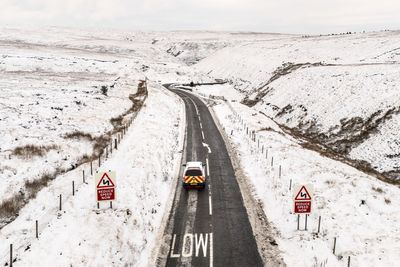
340	91
67	94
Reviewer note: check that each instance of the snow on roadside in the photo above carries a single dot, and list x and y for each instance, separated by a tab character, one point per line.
368	233
81	235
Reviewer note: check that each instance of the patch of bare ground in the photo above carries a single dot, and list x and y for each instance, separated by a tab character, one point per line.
290	67
30	151
351	132
338	149
10	208
283	70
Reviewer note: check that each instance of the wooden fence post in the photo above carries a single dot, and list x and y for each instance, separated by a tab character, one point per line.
305	227
334	246
319	224
37	228
11	255
298	221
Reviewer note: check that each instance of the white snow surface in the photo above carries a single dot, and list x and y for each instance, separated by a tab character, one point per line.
80	234
368	233
359	77
50	81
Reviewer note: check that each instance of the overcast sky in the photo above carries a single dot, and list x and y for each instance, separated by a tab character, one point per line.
289	16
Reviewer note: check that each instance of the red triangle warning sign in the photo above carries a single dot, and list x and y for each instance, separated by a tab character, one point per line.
303	194
105	181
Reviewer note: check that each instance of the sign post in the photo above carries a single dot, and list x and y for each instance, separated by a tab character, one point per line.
302	199
105	186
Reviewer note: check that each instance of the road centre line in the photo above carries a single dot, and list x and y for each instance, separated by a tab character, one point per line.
211	250
208	168
195	106
210	204
202	134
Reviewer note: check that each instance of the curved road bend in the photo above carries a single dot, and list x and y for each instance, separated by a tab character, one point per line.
209	227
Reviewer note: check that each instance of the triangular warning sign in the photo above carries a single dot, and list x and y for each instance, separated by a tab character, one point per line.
303	194
105	181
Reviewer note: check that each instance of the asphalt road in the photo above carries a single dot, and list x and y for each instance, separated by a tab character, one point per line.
209	227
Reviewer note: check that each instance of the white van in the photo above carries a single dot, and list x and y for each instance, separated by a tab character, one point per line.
194	176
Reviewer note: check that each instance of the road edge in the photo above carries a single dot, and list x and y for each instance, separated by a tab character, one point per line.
160	252
262	230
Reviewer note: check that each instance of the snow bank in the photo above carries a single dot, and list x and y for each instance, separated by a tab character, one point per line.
357	209
145	163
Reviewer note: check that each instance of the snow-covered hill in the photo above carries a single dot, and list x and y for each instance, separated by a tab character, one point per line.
63	92
341	91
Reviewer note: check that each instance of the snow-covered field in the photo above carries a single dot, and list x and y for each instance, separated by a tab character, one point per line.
82	235
342	91
360	211
59	81
61	89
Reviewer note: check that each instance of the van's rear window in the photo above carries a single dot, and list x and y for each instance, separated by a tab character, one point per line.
193	173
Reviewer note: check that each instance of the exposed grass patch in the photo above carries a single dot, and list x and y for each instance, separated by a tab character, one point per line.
79	135
377	189
323	149
137	103
9	208
33	187
30	151
99	142
117	121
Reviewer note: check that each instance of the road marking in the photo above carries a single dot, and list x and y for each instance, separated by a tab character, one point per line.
202	242
208	168
201	126
202	134
208	147
195	106
191	216
186	245
173	255
211	250
193	243
210	205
